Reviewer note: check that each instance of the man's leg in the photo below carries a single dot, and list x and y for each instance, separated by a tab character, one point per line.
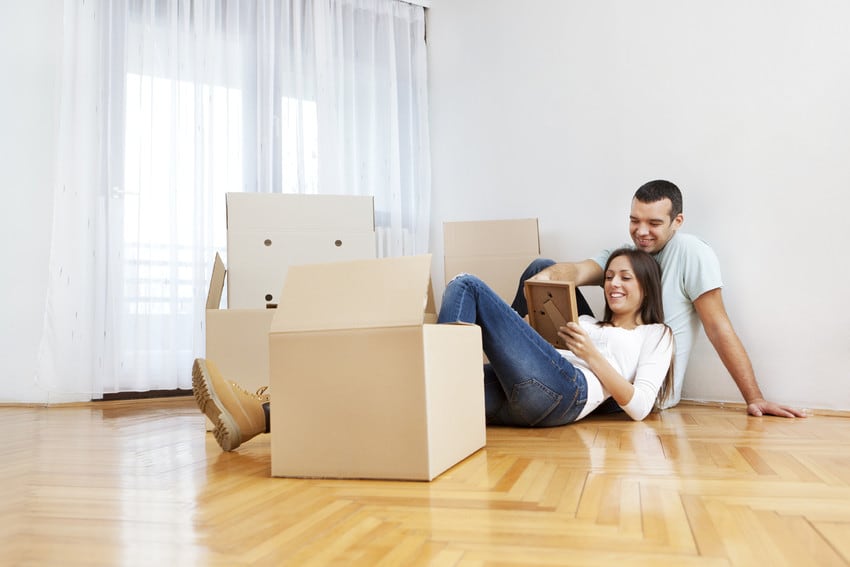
519	304
528	382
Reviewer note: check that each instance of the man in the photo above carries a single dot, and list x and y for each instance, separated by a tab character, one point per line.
691	286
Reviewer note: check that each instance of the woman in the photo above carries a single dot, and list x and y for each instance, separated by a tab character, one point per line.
529	382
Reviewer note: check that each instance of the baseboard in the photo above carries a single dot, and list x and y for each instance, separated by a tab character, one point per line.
743	407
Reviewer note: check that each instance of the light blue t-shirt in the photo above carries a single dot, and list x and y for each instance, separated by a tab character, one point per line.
689	268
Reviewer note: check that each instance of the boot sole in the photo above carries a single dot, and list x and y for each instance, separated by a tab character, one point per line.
225	429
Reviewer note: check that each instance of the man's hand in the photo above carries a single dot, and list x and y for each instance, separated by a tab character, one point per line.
761	407
587	272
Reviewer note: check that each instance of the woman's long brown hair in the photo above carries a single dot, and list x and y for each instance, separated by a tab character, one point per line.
648	274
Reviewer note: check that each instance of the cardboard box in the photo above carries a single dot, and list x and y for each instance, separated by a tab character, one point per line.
268	232
496	251
364	383
237	339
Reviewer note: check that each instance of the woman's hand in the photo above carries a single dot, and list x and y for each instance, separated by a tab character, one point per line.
578	341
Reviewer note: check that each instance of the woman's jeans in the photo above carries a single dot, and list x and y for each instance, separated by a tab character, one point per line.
528	382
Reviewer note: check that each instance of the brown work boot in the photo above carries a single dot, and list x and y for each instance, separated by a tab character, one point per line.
237	415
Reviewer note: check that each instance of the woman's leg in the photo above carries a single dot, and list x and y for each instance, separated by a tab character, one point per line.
236	415
535	267
527	382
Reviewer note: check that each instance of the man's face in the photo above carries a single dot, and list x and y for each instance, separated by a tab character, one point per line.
651	226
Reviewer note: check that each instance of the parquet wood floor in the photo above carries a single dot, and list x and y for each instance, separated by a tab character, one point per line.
141	483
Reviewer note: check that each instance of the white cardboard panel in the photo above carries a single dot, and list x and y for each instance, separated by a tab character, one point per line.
258	260
300	212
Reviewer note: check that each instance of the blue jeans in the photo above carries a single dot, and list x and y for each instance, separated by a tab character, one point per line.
527	383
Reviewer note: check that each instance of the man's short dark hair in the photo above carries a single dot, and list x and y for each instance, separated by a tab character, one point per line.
659	189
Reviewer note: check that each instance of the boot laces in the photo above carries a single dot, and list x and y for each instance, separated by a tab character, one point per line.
260	394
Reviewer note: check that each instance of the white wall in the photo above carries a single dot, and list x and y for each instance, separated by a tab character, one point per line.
30	43
560	109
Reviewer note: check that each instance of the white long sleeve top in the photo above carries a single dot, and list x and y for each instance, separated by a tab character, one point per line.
641	355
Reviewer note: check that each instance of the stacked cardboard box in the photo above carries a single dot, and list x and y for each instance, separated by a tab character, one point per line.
496	251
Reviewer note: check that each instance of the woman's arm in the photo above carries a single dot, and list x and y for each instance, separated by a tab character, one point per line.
636	399
580	344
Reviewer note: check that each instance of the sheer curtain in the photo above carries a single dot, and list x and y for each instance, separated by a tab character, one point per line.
169	104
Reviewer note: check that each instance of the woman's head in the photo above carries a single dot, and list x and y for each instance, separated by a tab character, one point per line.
633	284
633	287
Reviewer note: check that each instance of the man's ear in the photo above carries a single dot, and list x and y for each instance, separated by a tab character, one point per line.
677	222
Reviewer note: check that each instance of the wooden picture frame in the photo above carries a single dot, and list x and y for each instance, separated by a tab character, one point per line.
551	305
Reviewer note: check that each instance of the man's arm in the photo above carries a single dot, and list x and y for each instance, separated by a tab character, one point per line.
718	328
582	273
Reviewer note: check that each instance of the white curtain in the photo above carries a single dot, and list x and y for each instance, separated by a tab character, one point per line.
169	104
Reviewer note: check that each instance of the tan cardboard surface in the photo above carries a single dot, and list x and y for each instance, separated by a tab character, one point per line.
354	295
237	339
392	403
491	238
495	251
216	283
455	381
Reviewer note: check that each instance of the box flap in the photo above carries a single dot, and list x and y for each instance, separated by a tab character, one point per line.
491	238
387	292
216	283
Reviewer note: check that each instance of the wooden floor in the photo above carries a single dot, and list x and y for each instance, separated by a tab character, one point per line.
141	483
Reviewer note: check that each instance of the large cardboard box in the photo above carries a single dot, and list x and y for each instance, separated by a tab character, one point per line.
237	339
268	232
496	251
364	383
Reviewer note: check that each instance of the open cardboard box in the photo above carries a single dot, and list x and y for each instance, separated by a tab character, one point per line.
364	383
496	251
237	339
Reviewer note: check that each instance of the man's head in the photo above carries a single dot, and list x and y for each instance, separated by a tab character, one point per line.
656	215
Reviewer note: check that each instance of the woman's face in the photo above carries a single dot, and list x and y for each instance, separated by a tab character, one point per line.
622	290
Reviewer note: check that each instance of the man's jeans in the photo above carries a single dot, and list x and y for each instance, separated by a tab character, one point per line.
528	382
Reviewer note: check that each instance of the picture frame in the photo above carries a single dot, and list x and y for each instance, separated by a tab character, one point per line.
551	305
